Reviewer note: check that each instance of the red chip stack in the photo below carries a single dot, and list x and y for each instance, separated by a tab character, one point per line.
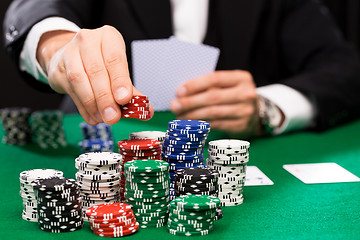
138	107
136	149
112	220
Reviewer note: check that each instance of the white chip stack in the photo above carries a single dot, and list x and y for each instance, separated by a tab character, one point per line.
156	135
27	191
229	157
99	178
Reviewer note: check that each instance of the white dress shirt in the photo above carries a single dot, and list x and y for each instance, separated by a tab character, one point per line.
190	19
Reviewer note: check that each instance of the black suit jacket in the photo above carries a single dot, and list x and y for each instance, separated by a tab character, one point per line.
293	42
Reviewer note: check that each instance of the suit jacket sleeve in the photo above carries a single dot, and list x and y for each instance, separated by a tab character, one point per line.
23	14
321	63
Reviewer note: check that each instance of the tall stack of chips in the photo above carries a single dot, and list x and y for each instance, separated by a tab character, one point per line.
99	178
47	129
192	215
147	191
112	220
229	157
59	205
183	146
15	122
134	149
27	190
198	181
138	107
96	138
156	135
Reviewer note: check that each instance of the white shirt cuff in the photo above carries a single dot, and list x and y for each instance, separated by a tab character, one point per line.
28	61
298	110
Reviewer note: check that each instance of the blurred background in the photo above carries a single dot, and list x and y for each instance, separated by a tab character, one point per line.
15	92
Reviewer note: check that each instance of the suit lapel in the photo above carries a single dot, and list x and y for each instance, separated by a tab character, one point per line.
238	21
154	17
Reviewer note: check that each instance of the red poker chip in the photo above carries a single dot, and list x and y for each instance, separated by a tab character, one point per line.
133	105
140	151
108	210
130	112
138	144
111	223
131	158
144	154
138	101
130	108
117	232
137	116
139	97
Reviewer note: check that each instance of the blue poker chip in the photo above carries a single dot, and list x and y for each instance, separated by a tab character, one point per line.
185	161
101	131
182	156
190	151
189	124
189	131
186	135
185	139
183	144
96	146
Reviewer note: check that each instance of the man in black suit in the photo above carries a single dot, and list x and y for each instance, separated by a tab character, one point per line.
287	51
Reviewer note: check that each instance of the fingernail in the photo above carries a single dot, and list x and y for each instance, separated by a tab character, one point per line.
182	91
109	114
121	93
176	106
92	121
98	117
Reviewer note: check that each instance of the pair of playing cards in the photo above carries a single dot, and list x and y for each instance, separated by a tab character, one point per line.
160	66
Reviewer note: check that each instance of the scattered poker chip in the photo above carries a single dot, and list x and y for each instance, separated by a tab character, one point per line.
229	157
15	123
47	129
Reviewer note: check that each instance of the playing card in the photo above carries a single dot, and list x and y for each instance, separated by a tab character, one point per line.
161	66
255	177
321	173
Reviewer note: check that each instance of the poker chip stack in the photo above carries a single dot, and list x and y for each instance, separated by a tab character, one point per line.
47	129
112	220
156	135
147	191
27	190
192	215
59	205
15	123
198	181
96	138
135	149
183	146
138	107
99	178
229	157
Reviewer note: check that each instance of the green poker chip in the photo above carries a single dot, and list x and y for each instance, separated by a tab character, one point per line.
146	166
152	214
165	179
155	221
189	212
147	196
188	233
197	202
190	227
192	217
159	225
149	211
147	200
147	187
148	192
145	174
142	205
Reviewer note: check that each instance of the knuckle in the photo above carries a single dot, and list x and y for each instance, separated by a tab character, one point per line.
94	69
113	60
103	95
83	34
74	77
89	104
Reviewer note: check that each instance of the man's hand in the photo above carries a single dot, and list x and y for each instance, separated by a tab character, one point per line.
226	99
91	66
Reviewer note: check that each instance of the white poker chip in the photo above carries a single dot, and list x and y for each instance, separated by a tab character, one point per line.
36	174
156	135
100	158
229	144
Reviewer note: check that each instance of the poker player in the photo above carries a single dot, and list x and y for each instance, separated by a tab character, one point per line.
284	64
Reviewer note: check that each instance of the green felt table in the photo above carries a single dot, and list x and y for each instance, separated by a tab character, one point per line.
289	209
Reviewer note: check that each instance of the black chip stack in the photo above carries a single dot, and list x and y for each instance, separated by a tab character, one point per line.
59	205
197	181
47	129
15	122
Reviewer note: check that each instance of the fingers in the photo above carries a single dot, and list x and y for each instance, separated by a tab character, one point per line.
82	110
114	55
216	112
218	79
214	96
80	89
95	69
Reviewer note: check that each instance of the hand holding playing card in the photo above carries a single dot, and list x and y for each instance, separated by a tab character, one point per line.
226	99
